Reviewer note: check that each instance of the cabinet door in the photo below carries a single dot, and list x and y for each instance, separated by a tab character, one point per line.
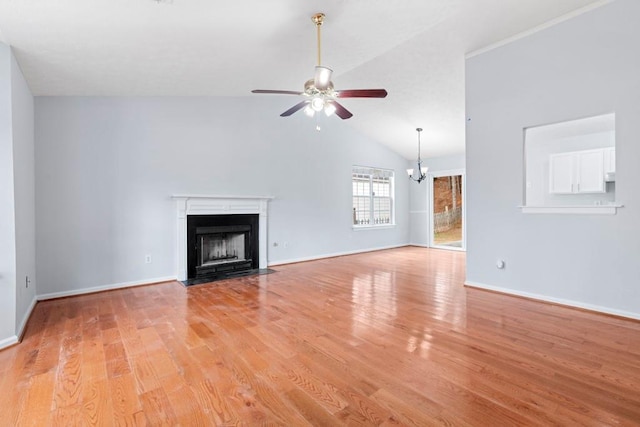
561	167
590	172
609	159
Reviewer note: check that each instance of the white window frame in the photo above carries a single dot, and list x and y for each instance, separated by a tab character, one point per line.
373	173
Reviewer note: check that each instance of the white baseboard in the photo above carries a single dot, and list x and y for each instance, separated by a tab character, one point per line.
14	339
7	342
561	301
336	254
26	316
44	297
420	245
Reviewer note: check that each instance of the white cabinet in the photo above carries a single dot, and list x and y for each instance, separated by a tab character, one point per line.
610	160
577	172
590	176
561	173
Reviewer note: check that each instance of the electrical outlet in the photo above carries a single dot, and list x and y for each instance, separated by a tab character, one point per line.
286	245
147	259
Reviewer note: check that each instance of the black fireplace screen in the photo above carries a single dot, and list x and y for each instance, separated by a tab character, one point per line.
220	248
221	243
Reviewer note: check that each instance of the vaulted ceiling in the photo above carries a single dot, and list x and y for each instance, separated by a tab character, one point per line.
413	48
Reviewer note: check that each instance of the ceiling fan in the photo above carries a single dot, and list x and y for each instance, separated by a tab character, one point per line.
319	92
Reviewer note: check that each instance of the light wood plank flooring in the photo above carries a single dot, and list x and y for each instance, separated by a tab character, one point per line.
384	338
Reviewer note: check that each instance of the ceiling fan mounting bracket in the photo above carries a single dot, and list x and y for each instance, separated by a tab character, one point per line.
318	18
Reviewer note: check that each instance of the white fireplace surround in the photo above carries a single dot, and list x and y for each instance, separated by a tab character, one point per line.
195	204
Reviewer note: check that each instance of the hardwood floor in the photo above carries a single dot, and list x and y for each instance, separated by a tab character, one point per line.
384	338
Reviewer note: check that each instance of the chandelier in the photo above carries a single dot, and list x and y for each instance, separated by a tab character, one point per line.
422	171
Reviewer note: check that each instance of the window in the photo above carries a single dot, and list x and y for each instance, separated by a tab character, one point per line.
372	197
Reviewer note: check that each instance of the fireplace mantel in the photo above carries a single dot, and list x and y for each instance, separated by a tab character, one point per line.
200	204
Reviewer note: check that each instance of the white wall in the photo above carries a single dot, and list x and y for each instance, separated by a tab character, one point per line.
7	210
106	167
582	67
24	184
420	197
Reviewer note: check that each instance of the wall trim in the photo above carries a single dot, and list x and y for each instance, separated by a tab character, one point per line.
544	26
109	287
333	255
561	301
25	318
573	210
8	342
419	245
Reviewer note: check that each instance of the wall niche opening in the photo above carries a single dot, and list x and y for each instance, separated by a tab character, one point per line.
571	164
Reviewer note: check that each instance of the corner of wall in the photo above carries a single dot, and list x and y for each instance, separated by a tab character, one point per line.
25	318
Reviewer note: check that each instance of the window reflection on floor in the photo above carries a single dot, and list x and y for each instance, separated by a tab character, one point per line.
374	301
377	305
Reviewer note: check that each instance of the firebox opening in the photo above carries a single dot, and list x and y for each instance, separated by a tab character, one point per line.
221	248
221	244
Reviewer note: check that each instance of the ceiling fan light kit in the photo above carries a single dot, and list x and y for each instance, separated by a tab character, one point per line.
319	92
422	170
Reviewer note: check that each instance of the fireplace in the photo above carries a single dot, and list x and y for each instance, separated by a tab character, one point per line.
219	244
194	206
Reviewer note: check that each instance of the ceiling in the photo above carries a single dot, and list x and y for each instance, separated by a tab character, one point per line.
413	48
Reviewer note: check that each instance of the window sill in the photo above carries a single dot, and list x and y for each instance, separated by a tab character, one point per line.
372	227
579	210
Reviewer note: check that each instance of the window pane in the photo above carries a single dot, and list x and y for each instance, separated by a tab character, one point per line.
361	211
361	187
372	196
382	210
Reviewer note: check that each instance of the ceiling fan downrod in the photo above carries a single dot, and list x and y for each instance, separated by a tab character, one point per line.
318	19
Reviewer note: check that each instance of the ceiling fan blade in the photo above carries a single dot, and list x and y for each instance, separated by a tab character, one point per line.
279	92
341	112
322	77
295	108
362	93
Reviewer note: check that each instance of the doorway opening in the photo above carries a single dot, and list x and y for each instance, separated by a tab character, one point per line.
447	210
